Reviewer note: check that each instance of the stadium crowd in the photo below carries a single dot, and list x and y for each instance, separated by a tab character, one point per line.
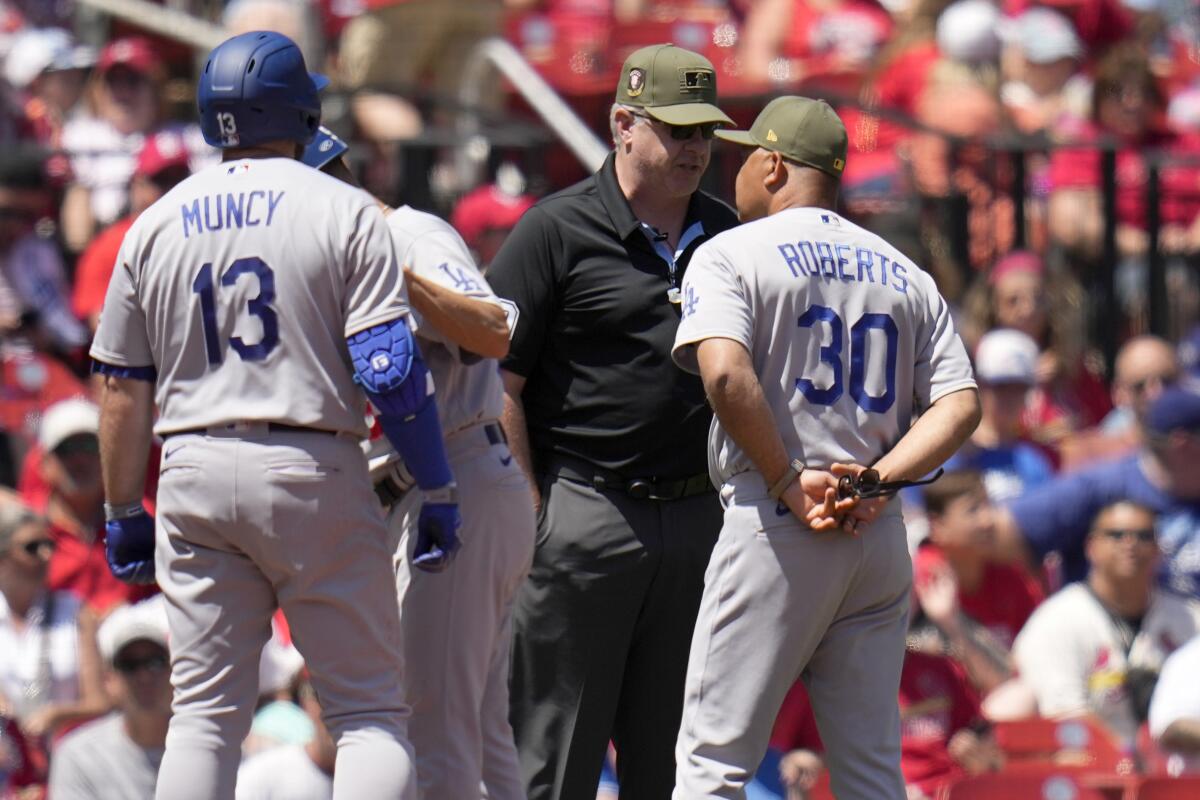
1056	563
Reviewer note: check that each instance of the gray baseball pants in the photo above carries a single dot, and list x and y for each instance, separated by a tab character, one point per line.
249	520
458	625
782	602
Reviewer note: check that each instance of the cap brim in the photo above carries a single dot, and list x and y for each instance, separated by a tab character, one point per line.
319	80
688	114
737	137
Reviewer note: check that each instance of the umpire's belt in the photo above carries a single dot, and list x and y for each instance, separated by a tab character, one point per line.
580	471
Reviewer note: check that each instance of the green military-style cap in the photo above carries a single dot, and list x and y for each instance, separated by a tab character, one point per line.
673	85
800	129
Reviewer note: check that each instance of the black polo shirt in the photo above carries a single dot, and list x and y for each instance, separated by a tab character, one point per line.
594	331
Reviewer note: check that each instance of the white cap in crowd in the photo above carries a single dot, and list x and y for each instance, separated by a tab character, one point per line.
40	50
1043	35
146	620
967	31
1006	356
65	419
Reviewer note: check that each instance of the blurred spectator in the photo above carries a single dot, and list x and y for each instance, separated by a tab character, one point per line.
1144	366
1189	352
124	102
49	670
1043	78
296	19
33	286
1161	475
396	45
1005	365
278	720
48	69
289	772
485	217
30	382
1175	709
1100	23
829	43
968	32
1018	293
942	733
161	163
1096	647
1128	107
117	757
977	606
21	775
67	487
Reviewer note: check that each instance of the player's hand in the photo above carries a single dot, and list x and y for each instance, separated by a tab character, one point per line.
437	530
860	513
129	546
813	500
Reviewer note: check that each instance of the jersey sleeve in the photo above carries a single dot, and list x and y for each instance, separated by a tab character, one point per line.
714	306
375	291
524	277
942	366
442	257
122	338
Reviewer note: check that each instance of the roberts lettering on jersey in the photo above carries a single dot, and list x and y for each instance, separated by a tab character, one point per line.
843	262
229	210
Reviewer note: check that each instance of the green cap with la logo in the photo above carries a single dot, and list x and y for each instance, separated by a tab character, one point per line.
673	85
800	129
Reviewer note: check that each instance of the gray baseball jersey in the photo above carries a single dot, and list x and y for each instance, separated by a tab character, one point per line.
847	338
469	390
240	291
846	333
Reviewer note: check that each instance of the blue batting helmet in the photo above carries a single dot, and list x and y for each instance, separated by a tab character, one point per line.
325	147
255	88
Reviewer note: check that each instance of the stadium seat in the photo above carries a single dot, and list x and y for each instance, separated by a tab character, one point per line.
1005	786
1163	788
1080	743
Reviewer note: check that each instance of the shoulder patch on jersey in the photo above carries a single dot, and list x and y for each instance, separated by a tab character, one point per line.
511	314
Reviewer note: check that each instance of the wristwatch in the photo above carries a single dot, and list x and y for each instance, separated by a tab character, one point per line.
792	472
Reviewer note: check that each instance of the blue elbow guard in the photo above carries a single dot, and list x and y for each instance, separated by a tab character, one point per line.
389	367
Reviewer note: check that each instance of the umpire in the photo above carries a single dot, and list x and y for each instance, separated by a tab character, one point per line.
613	436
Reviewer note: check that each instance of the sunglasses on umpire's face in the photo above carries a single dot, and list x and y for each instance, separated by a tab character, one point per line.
684	133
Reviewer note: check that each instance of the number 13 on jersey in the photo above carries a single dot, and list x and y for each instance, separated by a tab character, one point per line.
258	306
819	317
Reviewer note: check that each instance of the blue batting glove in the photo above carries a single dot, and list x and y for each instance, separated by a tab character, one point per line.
437	530
129	546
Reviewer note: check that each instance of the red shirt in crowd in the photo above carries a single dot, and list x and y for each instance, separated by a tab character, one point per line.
1002	602
830	42
1180	186
936	702
29	384
81	568
1100	23
95	268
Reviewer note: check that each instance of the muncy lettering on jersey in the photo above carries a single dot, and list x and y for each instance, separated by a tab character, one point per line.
229	211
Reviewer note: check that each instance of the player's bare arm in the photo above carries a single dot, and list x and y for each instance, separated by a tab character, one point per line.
513	421
737	398
473	324
126	416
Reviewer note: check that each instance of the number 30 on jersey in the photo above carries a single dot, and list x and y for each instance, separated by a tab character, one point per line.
831	354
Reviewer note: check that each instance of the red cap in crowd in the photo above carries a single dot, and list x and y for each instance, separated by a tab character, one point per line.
161	151
488	208
134	52
1017	261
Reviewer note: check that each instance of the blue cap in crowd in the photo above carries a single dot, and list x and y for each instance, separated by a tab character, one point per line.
1177	408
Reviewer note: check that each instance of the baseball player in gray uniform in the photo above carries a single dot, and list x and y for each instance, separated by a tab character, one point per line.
816	341
457	626
248	303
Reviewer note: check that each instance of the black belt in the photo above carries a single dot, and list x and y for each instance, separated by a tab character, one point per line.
272	427
580	471
390	491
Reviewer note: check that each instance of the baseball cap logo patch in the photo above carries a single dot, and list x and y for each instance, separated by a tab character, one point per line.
696	80
772	136
637	82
